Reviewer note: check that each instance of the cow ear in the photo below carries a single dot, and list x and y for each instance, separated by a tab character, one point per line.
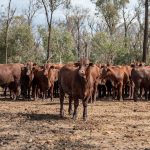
132	65
103	65
99	65
77	64
52	67
91	64
35	64
22	68
108	69
105	68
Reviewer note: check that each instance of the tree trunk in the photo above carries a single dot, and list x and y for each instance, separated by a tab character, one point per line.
6	44
6	38
145	40
78	45
49	52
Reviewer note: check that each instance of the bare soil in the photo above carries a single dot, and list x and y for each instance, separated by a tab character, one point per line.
111	125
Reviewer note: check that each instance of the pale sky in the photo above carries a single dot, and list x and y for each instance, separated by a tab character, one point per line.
21	4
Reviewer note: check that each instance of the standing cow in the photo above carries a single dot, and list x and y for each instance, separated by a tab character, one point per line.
141	77
120	76
10	75
27	76
52	78
40	84
77	81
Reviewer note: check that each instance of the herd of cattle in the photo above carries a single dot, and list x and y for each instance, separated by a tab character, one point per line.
80	80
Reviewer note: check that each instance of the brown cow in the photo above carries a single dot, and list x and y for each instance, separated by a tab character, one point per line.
40	82
77	81
95	72
53	70
120	76
10	75
52	78
141	77
27	76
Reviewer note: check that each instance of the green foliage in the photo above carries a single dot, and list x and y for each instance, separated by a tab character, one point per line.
62	44
21	45
103	48
110	11
108	50
108	46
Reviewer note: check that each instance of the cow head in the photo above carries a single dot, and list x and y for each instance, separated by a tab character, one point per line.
83	65
45	69
105	73
30	70
29	67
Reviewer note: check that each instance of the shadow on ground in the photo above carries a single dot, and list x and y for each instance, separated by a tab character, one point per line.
41	117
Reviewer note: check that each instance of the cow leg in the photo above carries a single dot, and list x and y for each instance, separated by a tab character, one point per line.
14	95
29	93
10	92
36	95
70	106
57	90
135	93
76	104
131	89
43	95
120	92
94	93
5	91
85	110
115	92
146	95
52	92
62	94
141	92
33	91
149	93
17	92
49	93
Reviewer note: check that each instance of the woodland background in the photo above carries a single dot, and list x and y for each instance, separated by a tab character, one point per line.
115	34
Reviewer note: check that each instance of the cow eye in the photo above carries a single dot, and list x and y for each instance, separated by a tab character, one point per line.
87	65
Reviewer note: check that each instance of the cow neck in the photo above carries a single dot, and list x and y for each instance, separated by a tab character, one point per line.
114	75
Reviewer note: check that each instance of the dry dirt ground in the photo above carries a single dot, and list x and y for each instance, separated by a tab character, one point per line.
111	125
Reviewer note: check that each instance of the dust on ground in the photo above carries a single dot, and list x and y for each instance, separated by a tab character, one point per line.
111	125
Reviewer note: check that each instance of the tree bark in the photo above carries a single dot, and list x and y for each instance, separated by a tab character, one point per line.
145	40
49	22
49	52
78	46
6	38
8	21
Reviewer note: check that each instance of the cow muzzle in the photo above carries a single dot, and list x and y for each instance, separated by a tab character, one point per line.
82	73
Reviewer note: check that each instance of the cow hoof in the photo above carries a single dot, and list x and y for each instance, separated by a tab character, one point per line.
70	113
74	117
62	114
84	118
